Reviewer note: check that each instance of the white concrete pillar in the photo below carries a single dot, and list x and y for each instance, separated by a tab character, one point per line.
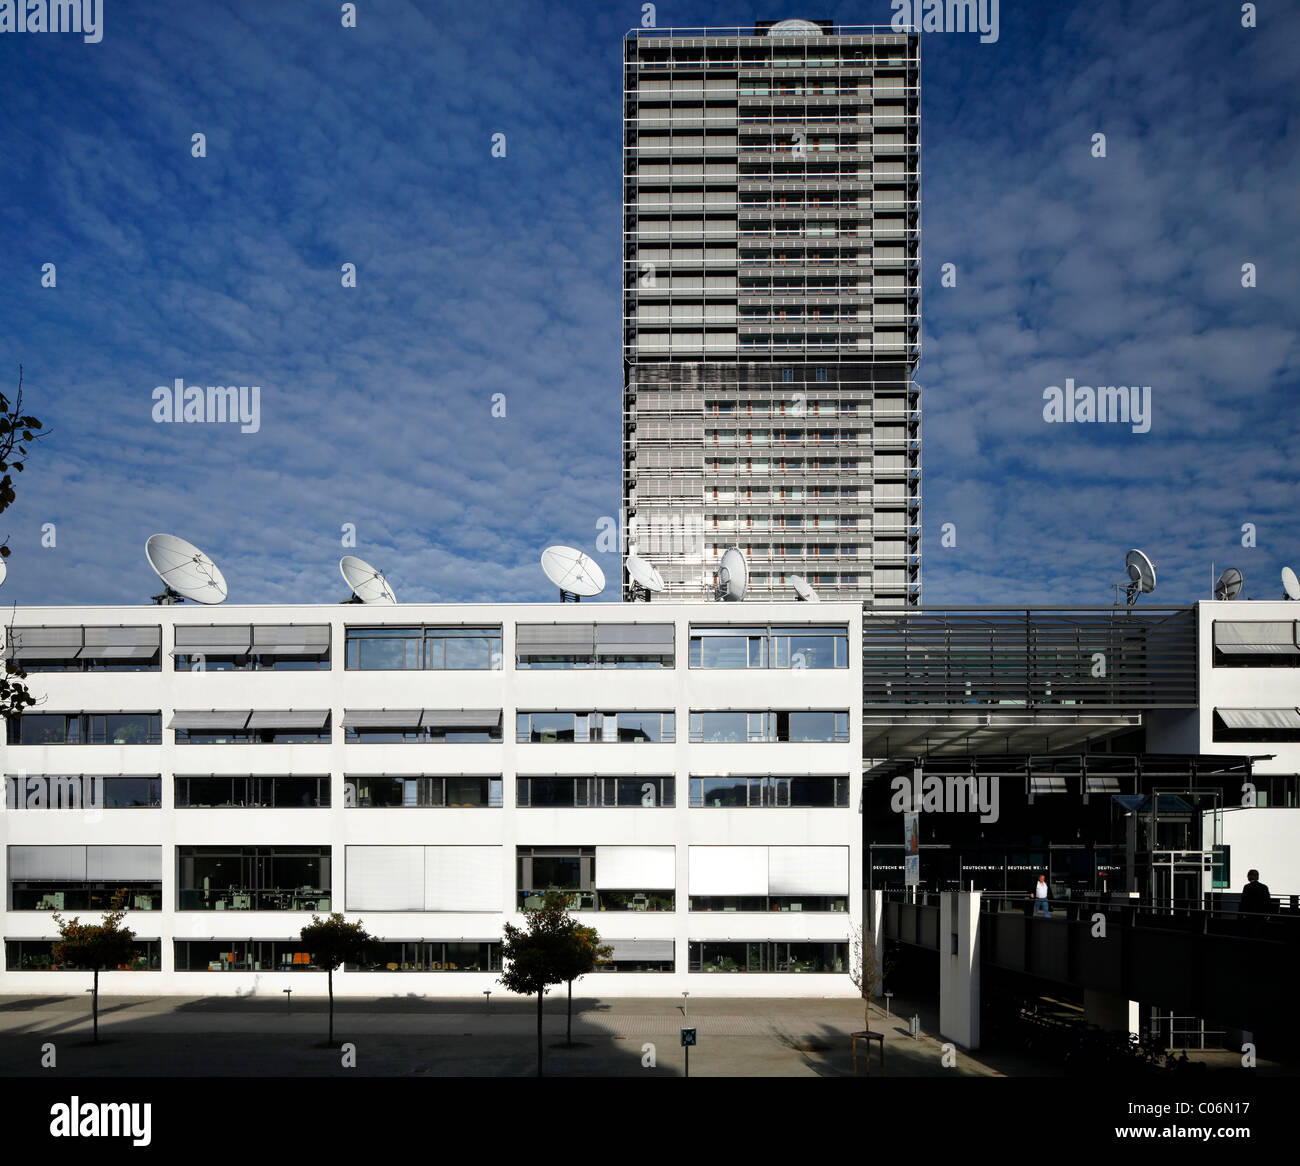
877	933
959	968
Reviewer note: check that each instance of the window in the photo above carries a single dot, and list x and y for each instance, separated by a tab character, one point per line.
1255	724
455	791
81	792
594	645
733	791
67	878
85	649
639	955
607	728
1242	644
37	955
607	878
769	647
787	375
253	878
252	647
242	955
422	726
766	956
726	726
769	903
86	729
433	956
452	649
252	791
821	372
251	727
574	792
425	878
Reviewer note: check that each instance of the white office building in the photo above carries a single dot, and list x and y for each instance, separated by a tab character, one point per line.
688	774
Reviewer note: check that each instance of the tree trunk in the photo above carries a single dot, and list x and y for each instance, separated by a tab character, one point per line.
568	1034
94	1005
541	1072
331	977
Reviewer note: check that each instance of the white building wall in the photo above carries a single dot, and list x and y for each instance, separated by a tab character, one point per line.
680	689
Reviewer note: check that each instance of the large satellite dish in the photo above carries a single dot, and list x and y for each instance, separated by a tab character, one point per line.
1290	584
804	590
368	583
573	572
733	576
1141	576
186	572
1229	584
643	576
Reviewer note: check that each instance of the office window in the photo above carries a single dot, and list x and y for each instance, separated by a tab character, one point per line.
1256	644
242	955
810	903
211	791
576	792
424	878
595	727
639	955
251	726
451	649
767	956
1255	724
732	791
576	645
607	878
81	792
253	878
38	955
70	878
770	647
84	649
252	647
425	955
86	729
728	726
422	726
454	791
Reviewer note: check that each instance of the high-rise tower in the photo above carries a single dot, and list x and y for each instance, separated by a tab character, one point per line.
771	253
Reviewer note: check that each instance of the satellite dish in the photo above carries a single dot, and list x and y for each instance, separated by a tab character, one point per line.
804	590
1229	584
1290	584
368	583
186	572
573	572
1141	576
733	576
644	576
4	572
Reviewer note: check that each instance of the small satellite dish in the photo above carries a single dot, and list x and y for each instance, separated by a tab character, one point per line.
1290	584
186	572
1141	576
368	583
804	590
643	576
733	576
1229	584
573	572
4	572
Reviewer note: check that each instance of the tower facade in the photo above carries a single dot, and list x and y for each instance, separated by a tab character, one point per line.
771	255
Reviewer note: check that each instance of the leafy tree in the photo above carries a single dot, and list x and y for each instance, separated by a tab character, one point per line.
538	956
95	946
17	432
581	955
333	941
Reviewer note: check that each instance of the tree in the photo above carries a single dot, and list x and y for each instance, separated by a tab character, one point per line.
333	941
865	969
17	432
538	956
95	946
581	955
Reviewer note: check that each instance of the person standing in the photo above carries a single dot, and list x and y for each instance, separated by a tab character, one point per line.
1040	898
1256	902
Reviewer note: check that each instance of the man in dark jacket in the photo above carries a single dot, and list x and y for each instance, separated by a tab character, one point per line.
1256	903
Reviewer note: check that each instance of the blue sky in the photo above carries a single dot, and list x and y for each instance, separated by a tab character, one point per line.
479	275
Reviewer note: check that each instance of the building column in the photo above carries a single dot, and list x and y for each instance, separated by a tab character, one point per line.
959	968
1113	1013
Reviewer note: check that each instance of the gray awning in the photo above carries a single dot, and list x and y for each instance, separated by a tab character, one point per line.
291	639
59	643
288	718
210	720
634	639
562	639
1262	638
461	718
1050	784
1259	718
124	643
381	718
1103	785
213	640
641	949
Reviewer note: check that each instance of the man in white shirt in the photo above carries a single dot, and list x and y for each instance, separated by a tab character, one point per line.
1040	898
